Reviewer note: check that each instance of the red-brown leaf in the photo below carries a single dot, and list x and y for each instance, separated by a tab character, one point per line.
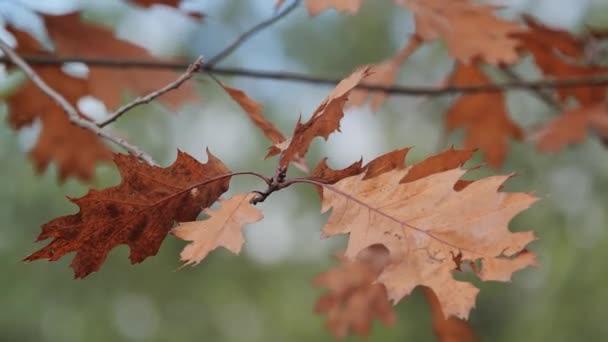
139	212
483	116
325	120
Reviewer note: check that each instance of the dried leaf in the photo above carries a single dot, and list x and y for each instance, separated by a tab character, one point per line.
559	54
139	212
73	37
354	299
424	223
254	111
223	228
471	31
317	6
483	116
571	127
451	329
75	150
325	120
383	74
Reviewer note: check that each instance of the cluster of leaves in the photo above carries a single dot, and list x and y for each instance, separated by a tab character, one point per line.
407	225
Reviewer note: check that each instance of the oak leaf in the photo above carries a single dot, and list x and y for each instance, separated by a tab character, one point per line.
138	212
470	30
317	6
425	224
222	228
571	127
384	74
559	54
450	329
73	37
75	150
254	111
483	116
354	298
325	120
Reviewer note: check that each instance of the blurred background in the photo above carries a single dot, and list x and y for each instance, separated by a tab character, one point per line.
265	294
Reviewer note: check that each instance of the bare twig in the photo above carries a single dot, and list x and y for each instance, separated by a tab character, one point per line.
250	33
72	113
541	94
592	81
194	67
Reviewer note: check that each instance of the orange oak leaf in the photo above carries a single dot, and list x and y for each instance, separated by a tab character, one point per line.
483	116
223	228
354	299
559	54
73	37
325	120
425	224
448	329
138	212
75	150
384	74
470	30
317	6
254	111
571	127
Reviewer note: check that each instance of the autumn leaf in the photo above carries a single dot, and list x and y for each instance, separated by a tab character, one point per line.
317	6
483	116
559	54
139	212
72	37
75	150
470	30
448	329
354	299
325	120
571	127
384	74
254	111
425	224
148	3
223	228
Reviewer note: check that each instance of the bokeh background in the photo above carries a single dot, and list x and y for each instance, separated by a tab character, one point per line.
265	294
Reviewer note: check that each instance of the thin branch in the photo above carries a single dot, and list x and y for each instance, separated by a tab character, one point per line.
540	94
593	81
72	113
250	33
194	67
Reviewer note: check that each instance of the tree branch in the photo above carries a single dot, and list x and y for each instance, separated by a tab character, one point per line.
72	113
194	67
250	33
593	81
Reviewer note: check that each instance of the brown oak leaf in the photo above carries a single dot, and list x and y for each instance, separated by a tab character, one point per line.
483	116
223	228
317	6
325	120
448	329
138	212
470	30
384	74
424	224
75	150
354	299
73	37
254	111
559	54
571	127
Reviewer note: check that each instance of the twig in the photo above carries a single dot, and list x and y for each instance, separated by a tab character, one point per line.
194	67
593	81
541	94
250	33
68	108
